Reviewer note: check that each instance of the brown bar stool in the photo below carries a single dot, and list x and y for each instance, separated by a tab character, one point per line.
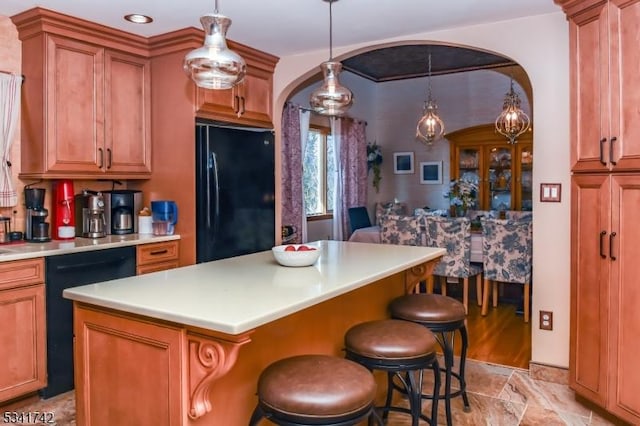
443	316
403	349
318	390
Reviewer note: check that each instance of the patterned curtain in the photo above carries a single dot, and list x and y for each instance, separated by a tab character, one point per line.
353	162
9	111
291	156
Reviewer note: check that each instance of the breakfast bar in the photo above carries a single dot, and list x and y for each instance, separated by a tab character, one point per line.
186	346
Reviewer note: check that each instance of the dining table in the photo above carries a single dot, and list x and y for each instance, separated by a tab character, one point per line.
371	234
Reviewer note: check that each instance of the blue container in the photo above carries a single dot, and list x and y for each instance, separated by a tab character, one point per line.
165	211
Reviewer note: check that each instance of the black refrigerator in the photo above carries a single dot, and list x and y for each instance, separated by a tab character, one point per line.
235	191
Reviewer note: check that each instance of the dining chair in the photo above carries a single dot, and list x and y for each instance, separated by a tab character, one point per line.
358	218
453	234
518	215
402	230
390	208
507	256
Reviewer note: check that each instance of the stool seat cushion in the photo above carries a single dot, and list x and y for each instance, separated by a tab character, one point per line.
427	308
390	339
316	386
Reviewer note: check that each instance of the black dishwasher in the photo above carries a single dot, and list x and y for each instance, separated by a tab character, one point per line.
72	270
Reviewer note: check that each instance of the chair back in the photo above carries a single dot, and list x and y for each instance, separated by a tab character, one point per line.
507	250
390	208
518	215
402	230
454	235
358	218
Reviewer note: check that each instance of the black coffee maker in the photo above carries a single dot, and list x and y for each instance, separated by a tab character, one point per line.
37	228
121	208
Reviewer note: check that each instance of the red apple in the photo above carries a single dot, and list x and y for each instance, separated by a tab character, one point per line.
290	248
305	248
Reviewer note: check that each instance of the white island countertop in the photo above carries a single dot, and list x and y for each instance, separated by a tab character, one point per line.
239	294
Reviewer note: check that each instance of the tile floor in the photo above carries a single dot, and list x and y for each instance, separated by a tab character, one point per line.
498	395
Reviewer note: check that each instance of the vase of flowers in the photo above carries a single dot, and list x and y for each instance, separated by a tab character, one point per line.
374	159
462	195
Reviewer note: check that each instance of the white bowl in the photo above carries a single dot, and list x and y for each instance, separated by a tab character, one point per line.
296	258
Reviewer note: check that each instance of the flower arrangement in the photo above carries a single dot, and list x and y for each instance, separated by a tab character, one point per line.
462	194
374	159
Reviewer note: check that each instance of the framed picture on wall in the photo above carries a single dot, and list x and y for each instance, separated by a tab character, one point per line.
431	172
402	163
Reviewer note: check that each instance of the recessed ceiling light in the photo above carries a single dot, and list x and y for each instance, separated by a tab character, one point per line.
137	18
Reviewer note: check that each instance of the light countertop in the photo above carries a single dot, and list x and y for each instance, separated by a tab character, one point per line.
25	250
238	294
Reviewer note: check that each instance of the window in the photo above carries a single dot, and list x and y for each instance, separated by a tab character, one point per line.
318	173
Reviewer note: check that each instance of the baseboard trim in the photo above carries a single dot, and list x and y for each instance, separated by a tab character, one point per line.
548	373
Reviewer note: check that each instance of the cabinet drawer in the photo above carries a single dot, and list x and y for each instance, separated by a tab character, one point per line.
157	252
155	267
19	273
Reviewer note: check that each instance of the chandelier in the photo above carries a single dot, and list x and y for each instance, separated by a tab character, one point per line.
430	127
331	98
512	121
214	65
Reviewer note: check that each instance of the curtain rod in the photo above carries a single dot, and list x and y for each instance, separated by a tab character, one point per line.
12	73
310	110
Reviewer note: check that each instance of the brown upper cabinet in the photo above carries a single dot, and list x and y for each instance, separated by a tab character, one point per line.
503	171
86	99
250	101
604	76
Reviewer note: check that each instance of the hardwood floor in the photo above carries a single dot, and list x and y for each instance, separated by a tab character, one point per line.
501	337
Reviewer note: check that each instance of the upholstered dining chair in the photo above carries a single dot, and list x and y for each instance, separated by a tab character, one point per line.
358	218
453	234
507	254
402	230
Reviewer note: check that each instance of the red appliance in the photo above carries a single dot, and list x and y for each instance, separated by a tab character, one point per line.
63	210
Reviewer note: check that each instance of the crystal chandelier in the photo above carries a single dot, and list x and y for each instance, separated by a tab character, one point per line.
512	121
214	65
430	127
331	98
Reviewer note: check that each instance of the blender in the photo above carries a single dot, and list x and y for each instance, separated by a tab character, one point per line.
37	228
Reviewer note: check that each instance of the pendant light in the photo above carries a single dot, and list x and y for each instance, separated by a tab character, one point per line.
430	127
331	98
512	122
214	65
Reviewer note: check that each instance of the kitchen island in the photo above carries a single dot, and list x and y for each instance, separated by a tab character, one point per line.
186	346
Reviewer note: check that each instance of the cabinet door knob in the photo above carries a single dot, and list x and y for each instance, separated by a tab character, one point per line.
602	234
109	158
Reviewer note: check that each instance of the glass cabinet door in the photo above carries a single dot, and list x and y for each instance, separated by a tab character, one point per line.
469	168
500	178
525	154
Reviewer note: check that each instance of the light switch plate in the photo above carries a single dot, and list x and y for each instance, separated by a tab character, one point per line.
550	192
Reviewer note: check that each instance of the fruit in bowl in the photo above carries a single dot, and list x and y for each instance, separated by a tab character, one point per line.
296	254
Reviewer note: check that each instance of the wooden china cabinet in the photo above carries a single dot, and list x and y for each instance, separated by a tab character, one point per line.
605	160
86	99
503	171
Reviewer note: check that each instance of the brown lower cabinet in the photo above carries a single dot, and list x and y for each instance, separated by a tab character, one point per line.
23	337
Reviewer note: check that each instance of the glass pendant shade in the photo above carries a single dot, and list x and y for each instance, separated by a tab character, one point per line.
430	126
512	122
214	65
331	98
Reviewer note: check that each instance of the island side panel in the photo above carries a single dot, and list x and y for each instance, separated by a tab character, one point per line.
127	371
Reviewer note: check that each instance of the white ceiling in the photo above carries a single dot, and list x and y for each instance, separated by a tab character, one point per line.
285	27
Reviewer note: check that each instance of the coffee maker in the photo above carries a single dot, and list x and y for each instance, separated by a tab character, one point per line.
90	210
121	211
37	228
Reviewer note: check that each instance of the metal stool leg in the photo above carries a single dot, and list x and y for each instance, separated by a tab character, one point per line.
463	359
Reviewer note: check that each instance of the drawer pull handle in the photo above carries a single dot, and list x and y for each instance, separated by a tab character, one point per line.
602	234
101	163
602	141
157	252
